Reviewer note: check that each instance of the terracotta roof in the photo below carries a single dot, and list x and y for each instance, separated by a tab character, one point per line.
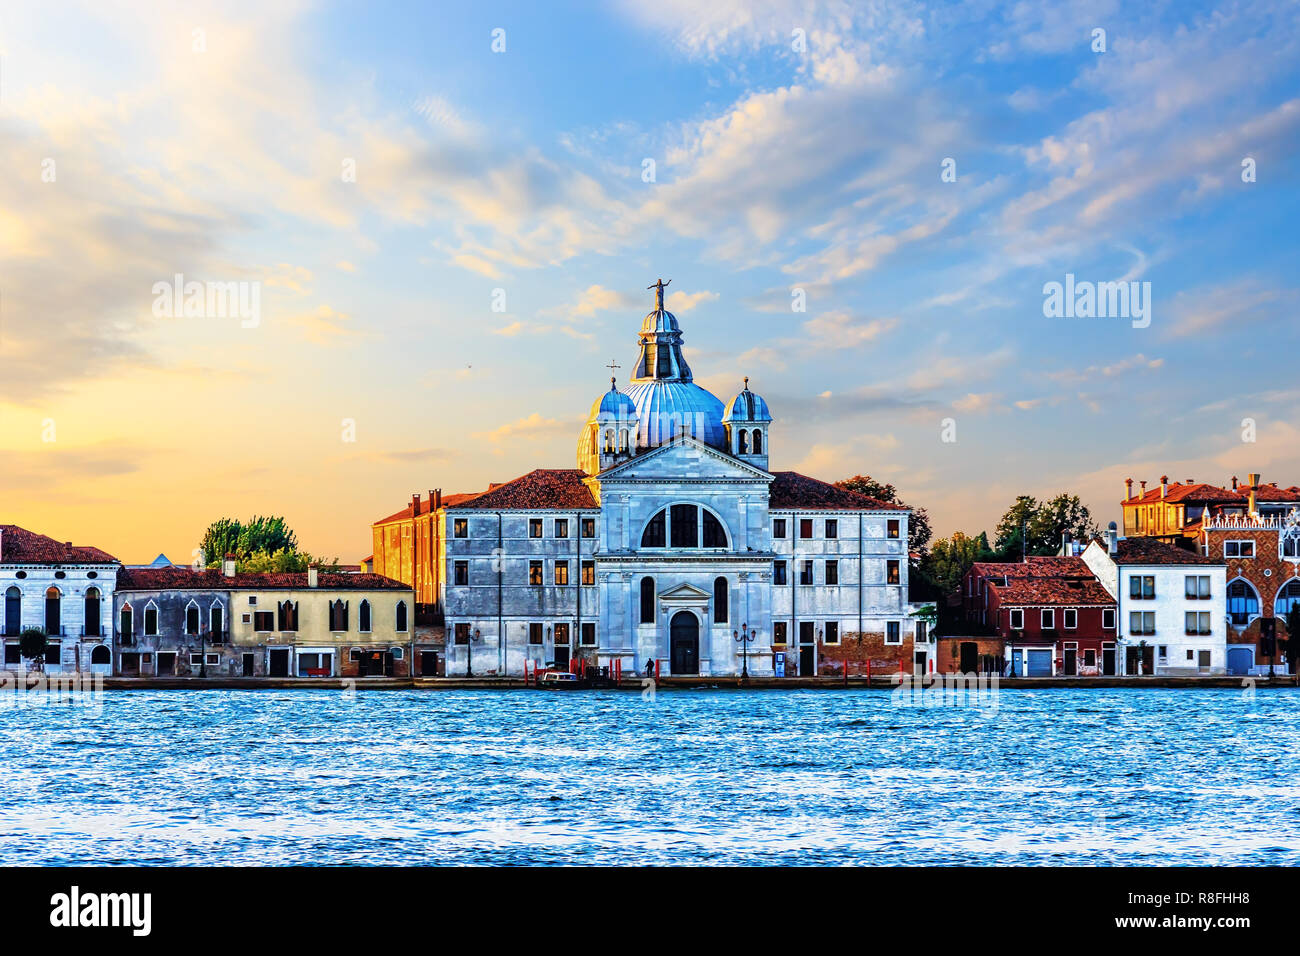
1036	566
20	546
164	579
792	490
448	501
1155	551
544	488
1198	491
1274	493
1053	591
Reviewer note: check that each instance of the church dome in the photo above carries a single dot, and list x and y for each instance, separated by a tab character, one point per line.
668	409
614	414
612	405
747	407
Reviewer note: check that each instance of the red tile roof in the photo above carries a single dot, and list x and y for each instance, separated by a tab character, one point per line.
409	512
165	579
1198	491
1036	566
545	488
1049	591
1274	493
1154	551
20	546
792	490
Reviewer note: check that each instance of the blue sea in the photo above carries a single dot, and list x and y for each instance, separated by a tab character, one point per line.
1059	776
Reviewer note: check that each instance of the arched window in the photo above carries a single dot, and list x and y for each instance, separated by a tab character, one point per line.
338	615
13	612
151	620
401	615
1287	598
686	526
609	440
653	536
363	616
100	655
217	622
622	439
1243	603
288	615
126	624
720	601
192	619
647	600
53	612
93	628
742	445
758	442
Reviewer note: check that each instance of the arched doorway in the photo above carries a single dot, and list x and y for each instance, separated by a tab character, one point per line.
101	660
685	635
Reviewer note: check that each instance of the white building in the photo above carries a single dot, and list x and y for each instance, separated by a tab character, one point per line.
1171	603
670	543
64	590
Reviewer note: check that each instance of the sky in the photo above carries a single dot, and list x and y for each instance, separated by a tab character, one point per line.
450	213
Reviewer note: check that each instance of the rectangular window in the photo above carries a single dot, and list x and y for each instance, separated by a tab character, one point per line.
462	572
807	634
1071	618
806	573
891	572
1162	652
462	633
1142	622
778	527
561	573
1196	622
1108	618
588	634
805	527
460	528
535	632
13	653
1239	549
263	621
832	528
893	633
832	572
832	632
561	527
562	634
778	633
685	523
1090	657
778	572
893	526
534	527
1142	587
589	527
1048	619
1203	659
1197	587
1017	619
922	629
534	573
588	572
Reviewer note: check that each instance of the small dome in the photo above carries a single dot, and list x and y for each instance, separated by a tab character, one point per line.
746	407
660	320
612	405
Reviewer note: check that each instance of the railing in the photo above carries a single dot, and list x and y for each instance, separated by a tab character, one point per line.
125	640
218	637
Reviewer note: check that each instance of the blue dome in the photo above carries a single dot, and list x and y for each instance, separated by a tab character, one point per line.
667	408
747	407
613	404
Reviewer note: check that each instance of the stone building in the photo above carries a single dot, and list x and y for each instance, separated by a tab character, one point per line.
671	546
66	591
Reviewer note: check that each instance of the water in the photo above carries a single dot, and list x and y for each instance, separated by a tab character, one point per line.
703	777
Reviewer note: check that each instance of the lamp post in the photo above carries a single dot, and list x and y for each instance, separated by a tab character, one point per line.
744	636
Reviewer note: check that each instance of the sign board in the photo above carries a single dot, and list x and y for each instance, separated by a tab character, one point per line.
778	663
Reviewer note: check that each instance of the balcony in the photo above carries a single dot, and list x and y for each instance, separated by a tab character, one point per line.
124	639
216	638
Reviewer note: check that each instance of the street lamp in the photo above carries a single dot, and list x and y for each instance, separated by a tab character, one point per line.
743	637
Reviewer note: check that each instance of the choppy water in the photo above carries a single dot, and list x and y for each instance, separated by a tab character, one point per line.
797	777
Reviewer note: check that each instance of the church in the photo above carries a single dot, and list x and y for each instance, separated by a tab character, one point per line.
672	547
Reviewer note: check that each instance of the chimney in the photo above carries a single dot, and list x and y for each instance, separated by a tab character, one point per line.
1144	489
1234	482
415	504
228	566
1112	540
313	576
1164	485
1065	544
438	494
1128	488
1191	481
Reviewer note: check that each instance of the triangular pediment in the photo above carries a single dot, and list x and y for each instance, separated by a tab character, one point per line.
684	454
684	592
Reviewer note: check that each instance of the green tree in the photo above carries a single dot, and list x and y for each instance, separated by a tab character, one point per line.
221	539
918	526
259	536
950	559
281	562
1043	523
32	644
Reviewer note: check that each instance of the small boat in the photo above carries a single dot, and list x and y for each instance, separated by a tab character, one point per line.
560	680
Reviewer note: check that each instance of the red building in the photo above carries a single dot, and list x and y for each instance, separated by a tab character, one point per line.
1055	617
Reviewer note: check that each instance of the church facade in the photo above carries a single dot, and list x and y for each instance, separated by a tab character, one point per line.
672	547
